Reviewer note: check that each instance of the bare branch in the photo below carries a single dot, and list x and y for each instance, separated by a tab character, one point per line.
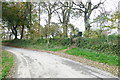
97	5
78	9
59	17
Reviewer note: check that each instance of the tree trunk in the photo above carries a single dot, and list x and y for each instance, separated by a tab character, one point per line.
87	26
16	36
49	20
15	28
14	31
65	28
22	32
64	23
86	21
66	16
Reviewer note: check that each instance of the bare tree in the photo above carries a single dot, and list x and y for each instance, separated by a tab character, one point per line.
64	15
50	8
87	9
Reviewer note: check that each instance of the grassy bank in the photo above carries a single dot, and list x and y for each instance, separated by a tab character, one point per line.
42	45
95	56
7	63
101	57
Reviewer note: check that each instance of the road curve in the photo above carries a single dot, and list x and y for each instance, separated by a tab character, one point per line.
34	64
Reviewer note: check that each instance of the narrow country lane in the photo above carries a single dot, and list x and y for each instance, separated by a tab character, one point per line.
34	64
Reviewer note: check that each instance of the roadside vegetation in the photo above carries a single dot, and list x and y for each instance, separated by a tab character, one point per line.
55	45
93	49
7	63
95	56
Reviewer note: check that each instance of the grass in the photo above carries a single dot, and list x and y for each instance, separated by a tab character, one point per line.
99	57
37	45
58	48
7	63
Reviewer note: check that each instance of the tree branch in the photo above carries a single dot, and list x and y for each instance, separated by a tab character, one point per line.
59	17
96	6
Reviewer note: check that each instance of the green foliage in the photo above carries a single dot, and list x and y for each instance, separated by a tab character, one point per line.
13	13
100	57
92	34
16	16
107	44
60	41
56	44
106	21
103	49
7	63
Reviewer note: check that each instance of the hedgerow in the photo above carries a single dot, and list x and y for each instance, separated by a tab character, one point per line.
107	44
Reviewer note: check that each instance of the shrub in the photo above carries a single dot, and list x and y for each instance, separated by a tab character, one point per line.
104	44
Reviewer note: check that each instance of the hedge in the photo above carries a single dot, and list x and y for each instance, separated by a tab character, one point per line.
104	44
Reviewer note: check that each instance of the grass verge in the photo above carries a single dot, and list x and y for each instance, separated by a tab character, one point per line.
36	45
7	63
99	57
58	48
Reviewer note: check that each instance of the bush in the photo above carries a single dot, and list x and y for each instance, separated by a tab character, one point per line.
60	41
53	42
104	44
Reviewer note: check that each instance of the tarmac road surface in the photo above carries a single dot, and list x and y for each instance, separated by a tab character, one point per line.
34	64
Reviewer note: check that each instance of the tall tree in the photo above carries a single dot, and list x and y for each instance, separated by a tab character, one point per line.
64	15
12	22
87	9
17	16
50	8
